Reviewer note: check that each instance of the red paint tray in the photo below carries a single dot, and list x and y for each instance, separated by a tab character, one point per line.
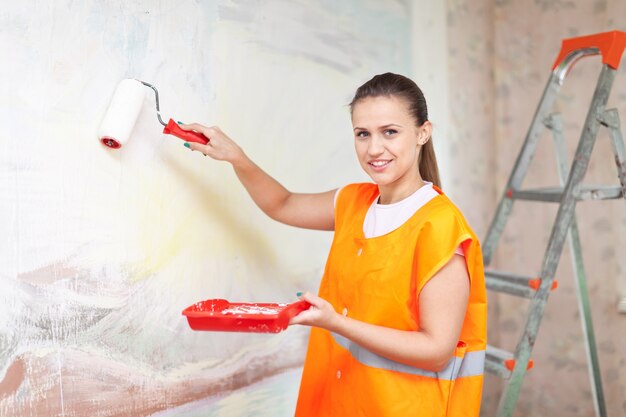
220	315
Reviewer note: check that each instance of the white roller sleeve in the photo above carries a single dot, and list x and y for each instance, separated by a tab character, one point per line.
122	113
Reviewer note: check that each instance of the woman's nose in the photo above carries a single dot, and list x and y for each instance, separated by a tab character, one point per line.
375	146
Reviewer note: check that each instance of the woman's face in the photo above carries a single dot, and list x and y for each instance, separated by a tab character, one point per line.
388	140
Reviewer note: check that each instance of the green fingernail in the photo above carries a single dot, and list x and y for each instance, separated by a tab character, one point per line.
187	145
179	122
299	293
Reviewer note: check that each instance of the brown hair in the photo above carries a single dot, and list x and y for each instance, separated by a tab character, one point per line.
390	84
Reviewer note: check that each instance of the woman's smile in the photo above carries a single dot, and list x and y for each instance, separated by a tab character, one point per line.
379	165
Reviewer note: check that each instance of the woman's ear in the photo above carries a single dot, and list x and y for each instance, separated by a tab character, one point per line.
424	133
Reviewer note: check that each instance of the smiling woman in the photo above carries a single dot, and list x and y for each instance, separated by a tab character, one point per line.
394	107
399	325
389	152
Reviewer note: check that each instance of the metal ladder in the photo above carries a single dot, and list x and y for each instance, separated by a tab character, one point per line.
512	366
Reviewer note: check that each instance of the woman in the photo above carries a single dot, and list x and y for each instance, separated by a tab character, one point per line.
399	326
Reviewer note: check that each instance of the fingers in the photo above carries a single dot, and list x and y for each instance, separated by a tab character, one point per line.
199	147
220	147
312	299
321	314
297	319
205	130
198	128
192	126
209	132
305	316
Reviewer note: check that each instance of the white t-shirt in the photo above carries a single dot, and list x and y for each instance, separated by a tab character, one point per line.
385	218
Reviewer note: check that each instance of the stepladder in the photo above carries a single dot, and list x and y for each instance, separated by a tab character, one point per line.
513	366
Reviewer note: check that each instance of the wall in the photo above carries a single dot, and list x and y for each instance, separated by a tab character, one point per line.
101	250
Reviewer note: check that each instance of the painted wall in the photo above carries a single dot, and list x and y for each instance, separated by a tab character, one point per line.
101	250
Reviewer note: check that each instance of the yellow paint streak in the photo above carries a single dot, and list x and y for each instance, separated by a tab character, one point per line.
164	228
162	247
175	212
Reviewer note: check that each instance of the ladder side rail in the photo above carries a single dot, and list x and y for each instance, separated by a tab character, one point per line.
520	168
611	120
582	292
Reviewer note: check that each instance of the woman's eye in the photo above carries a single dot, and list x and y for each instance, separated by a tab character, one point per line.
390	132
361	134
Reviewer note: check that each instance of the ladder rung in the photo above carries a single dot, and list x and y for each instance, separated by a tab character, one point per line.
501	362
600	192
549	194
513	284
554	194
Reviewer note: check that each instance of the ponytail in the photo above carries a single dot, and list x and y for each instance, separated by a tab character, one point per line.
427	164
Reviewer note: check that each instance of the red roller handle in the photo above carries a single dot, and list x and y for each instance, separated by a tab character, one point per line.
172	128
610	44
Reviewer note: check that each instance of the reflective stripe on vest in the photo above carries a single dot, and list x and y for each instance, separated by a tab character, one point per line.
472	364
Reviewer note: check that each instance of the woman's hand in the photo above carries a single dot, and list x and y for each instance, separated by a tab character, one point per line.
219	147
321	314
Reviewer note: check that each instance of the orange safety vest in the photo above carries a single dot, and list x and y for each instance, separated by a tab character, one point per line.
378	281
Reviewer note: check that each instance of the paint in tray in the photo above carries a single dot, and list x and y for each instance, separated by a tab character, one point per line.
252	309
223	316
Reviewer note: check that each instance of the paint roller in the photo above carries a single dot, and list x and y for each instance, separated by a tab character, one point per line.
122	113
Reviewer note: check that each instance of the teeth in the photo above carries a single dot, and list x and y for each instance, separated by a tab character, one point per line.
379	163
